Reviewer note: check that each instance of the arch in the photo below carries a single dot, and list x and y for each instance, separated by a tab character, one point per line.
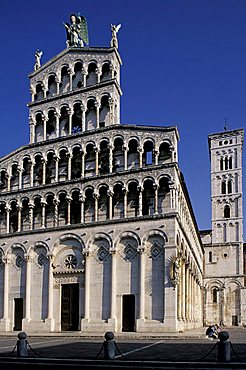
65	237
65	79
91	77
52	85
78	78
105	75
164	152
17	246
154	232
90	114
148	148
98	236
127	234
40	243
104	119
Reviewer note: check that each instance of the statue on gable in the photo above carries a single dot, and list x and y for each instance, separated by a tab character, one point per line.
114	30
38	56
77	32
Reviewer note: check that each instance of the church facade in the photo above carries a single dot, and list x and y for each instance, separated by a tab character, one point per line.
97	230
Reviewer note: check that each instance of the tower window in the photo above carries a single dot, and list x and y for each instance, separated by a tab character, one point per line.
210	256
227	212
229	187
226	163
230	163
221	164
223	187
215	295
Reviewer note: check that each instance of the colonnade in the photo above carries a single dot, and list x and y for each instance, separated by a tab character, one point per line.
92	198
189	294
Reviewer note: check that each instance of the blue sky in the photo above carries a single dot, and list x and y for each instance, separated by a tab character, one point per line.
184	64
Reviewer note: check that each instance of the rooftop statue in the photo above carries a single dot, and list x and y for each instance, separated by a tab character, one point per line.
77	32
38	55
114	41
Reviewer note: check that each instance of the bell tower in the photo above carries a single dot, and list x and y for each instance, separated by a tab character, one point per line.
226	186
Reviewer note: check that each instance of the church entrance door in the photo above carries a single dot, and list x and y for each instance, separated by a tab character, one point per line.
70	307
128	312
18	312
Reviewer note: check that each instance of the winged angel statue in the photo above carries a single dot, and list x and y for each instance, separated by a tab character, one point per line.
77	32
114	30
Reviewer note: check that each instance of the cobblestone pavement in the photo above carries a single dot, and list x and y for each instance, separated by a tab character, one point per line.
189	346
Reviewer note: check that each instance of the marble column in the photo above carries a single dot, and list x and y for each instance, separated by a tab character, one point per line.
82	164
82	203
69	200
124	190
156	187
28	288
69	169
142	284
83	110
140	197
57	115
125	149
6	262
45	119
110	194
140	151
70	115
19	208
43	204
20	171
96	149
56	158
31	207
111	147
87	285
96	197
44	171
113	284
32	173
7	208
97	106
50	292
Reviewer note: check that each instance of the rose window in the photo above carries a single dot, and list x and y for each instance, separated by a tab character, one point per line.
70	262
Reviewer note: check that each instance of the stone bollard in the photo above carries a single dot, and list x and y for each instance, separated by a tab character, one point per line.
22	345
224	347
109	346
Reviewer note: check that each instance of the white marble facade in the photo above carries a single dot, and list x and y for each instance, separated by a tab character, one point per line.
97	230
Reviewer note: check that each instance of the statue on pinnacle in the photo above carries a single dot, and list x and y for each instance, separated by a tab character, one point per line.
77	32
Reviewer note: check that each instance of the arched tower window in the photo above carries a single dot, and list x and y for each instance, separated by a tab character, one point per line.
77	119
52	89
229	187
215	295
148	153
78	76
230	163
210	256
226	163
105	72
221	164
104	111
227	211
63	122
91	76
118	155
223	187
65	80
164	153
